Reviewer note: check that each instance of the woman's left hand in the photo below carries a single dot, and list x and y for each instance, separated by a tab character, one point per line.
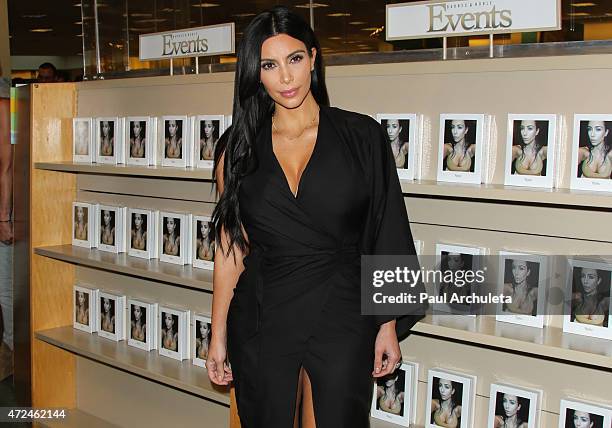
386	345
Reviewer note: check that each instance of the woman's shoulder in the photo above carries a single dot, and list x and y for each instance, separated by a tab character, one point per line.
350	118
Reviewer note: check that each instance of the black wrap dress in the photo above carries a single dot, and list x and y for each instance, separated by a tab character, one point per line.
297	303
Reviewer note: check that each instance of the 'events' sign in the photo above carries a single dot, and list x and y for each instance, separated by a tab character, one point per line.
201	41
465	17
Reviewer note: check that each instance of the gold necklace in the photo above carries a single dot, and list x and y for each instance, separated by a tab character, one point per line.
300	134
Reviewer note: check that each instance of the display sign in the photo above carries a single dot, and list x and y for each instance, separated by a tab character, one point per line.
466	17
202	41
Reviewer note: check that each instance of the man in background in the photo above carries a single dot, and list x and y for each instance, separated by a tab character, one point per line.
47	73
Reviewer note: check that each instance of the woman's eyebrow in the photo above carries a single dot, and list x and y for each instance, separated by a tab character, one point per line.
291	54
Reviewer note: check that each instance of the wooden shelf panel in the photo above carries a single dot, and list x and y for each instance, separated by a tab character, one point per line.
132	170
498	192
75	419
182	375
549	342
155	270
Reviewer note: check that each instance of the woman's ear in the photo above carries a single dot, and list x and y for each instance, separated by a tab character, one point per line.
313	57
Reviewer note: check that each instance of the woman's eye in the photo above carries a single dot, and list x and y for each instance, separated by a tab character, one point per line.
266	65
296	58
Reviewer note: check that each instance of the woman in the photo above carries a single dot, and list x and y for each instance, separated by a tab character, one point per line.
173	141
207	140
524	295
139	232
529	156
203	341
445	412
80	223
390	395
107	234
108	315
399	148
107	140
512	406
204	245
453	267
286	299
82	138
82	309
589	305
595	159
169	336
139	324
137	140
172	239
579	419
459	154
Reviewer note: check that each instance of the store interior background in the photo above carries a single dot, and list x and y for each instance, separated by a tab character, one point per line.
83	47
64	32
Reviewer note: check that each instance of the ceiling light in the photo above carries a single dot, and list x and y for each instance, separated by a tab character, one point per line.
578	14
206	5
34	16
314	5
150	21
169	9
583	4
244	15
41	30
338	14
357	22
370	29
80	35
78	23
77	5
335	38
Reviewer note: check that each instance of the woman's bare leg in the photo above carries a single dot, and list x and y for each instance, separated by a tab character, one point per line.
298	401
308	417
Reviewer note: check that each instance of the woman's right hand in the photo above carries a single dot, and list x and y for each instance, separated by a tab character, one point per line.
219	371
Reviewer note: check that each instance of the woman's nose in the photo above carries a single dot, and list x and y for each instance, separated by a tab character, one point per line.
286	76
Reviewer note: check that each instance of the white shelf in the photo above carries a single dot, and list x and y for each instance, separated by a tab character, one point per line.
182	375
550	342
512	194
144	171
185	275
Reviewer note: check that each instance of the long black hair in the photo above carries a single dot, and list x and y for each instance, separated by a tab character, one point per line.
252	106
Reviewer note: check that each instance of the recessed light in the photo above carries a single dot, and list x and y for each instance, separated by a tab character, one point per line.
578	14
370	29
244	15
80	35
583	4
41	30
314	5
338	14
78	23
335	38
77	5
34	16
206	5
357	22
169	9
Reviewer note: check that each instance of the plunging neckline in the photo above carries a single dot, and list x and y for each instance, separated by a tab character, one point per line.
308	162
